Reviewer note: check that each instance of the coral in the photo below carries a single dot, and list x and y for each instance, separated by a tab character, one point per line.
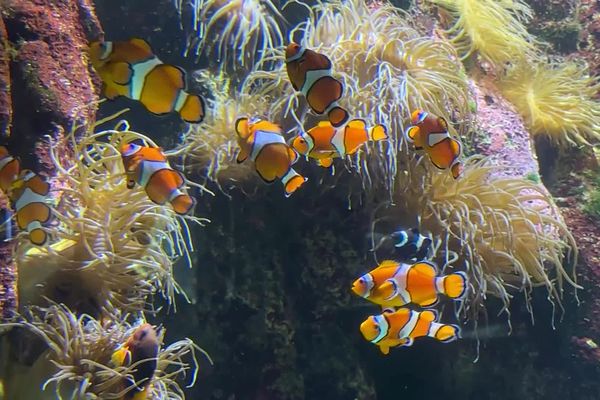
238	31
505	231
114	246
78	359
493	29
388	69
5	99
556	100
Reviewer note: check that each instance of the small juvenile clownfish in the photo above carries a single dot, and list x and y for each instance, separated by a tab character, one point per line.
273	158
148	167
394	284
324	142
310	73
411	245
28	195
141	349
9	169
430	133
131	69
402	327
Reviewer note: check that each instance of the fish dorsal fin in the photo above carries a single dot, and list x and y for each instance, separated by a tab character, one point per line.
388	264
324	124
173	74
443	123
142	45
429	315
357	124
242	128
426	268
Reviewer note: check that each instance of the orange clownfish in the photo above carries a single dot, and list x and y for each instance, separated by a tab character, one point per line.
273	158
131	69
9	169
430	133
148	166
324	142
28	195
394	284
140	349
400	328
310	73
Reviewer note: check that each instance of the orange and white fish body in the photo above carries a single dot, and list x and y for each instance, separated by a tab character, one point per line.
395	284
262	142
402	327
430	133
324	142
10	168
148	167
140	349
130	68
310	73
28	194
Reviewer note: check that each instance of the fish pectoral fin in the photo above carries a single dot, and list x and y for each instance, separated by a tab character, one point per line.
325	162
241	127
389	286
120	73
293	155
242	156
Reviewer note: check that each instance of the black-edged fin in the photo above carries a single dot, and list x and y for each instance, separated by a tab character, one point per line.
121	73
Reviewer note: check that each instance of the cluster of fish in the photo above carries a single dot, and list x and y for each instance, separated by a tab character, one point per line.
28	194
140	350
311	74
393	285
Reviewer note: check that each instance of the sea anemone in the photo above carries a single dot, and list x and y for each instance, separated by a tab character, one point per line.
493	29
556	100
114	246
234	31
78	358
388	68
506	231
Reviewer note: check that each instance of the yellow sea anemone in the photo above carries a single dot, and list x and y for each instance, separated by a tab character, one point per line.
234	30
556	100
114	247
494	29
78	364
506	231
388	68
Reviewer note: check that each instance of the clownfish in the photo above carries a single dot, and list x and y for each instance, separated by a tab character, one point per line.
402	327
411	245
273	158
131	69
430	133
310	73
9	169
28	193
394	284
141	349
148	167
324	142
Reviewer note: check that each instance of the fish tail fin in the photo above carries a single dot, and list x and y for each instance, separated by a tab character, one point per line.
378	132
445	333
292	181
183	203
453	285
192	109
338	116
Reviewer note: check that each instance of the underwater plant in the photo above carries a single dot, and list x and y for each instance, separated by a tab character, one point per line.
493	29
113	245
556	100
79	356
234	31
506	232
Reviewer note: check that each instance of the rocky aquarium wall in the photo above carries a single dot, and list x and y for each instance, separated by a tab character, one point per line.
143	257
